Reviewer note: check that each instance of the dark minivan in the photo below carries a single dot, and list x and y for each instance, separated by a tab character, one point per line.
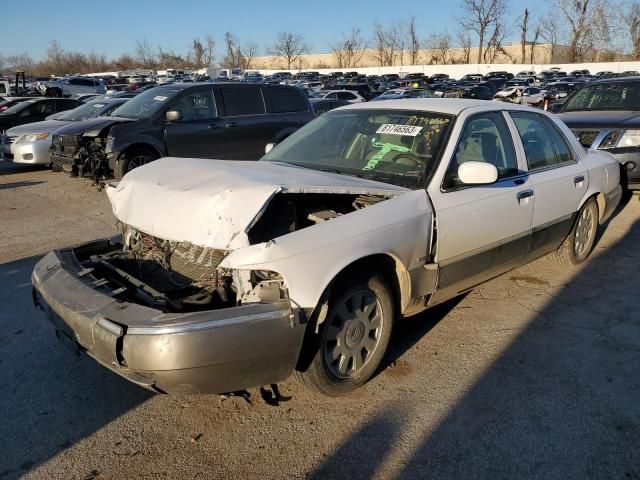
230	121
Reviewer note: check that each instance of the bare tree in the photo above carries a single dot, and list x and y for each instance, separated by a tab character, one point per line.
385	41
550	32
350	49
414	42
439	46
631	20
232	57
401	39
536	37
523	36
588	23
144	54
480	15
495	44
20	61
247	55
465	43
289	47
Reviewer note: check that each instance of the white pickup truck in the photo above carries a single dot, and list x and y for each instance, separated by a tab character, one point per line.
233	274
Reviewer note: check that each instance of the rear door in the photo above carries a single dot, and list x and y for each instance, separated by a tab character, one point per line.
247	127
200	131
559	180
482	230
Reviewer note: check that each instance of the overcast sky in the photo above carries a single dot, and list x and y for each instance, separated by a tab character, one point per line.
109	28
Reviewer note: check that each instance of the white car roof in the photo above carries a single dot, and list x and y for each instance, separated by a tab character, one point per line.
450	106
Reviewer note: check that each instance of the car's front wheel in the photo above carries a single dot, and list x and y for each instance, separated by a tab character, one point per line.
353	338
578	245
134	158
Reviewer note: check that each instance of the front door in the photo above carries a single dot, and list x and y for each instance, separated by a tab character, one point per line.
482	230
199	132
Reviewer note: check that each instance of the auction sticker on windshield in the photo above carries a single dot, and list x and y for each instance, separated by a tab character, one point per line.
404	130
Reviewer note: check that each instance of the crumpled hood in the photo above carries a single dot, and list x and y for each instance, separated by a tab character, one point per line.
91	124
214	203
48	126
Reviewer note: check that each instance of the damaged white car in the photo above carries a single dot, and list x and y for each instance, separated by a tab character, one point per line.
233	274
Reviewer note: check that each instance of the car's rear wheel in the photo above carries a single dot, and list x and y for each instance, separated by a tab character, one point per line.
133	158
353	338
579	244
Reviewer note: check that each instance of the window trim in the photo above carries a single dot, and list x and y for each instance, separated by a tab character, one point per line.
548	167
520	174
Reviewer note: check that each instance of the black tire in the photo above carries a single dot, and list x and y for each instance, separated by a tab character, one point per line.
579	244
132	159
356	330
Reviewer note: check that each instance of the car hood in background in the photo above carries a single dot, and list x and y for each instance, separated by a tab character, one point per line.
601	119
95	124
48	126
214	203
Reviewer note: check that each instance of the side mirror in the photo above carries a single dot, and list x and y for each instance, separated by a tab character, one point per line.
172	116
477	173
268	147
555	107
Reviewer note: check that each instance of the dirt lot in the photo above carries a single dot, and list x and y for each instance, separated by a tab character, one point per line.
534	375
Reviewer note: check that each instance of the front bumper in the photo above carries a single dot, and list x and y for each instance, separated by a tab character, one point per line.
36	153
213	351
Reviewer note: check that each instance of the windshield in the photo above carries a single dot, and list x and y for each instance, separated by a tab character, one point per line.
606	96
18	107
88	110
145	104
393	146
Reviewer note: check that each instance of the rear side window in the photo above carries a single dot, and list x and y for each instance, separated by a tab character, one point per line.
560	145
346	96
543	144
285	100
243	101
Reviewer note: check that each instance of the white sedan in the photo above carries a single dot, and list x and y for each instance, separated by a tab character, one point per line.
234	274
348	95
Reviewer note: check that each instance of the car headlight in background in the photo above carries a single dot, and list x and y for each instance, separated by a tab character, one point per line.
33	137
621	139
630	138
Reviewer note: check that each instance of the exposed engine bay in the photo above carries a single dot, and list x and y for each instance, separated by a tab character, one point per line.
182	277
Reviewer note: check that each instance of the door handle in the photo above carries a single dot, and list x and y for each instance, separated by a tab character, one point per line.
523	195
231	125
578	179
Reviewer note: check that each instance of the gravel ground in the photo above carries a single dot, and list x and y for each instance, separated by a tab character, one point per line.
536	374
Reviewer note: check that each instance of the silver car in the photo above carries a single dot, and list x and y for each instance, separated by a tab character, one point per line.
235	274
30	143
67	86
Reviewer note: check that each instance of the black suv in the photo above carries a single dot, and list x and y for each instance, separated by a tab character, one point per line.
605	115
231	121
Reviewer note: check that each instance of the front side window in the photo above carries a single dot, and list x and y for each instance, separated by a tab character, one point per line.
485	138
196	106
243	101
535	139
393	146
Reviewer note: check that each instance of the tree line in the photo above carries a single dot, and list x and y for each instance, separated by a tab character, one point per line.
574	30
